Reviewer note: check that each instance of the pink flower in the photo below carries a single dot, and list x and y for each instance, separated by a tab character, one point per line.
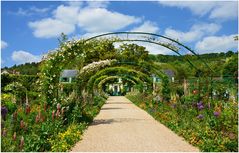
14	136
37	119
22	124
62	110
58	106
21	142
4	132
53	114
57	113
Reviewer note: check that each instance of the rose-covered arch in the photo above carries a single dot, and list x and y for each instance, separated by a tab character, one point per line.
70	52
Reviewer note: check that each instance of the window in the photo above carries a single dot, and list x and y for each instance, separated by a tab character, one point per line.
64	80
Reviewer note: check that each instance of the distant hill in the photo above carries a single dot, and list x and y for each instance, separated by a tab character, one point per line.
27	68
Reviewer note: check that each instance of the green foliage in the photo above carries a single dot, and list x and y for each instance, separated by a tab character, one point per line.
165	89
132	52
230	70
27	81
24	69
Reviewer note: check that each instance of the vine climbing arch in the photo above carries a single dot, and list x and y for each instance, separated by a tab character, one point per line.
75	54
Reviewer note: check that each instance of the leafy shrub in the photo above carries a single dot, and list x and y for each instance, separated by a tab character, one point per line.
64	140
165	89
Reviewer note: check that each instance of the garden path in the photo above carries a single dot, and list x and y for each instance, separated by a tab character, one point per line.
122	126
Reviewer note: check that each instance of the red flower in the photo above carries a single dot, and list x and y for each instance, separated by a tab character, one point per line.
28	109
195	92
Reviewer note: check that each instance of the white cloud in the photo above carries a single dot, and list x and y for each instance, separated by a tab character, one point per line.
196	32
93	18
147	26
216	44
21	57
30	11
224	11
67	14
215	9
102	20
47	28
3	44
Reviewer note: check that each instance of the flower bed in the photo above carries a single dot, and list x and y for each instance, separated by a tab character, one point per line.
44	127
212	129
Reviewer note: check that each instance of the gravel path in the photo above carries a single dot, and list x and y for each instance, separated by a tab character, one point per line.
122	126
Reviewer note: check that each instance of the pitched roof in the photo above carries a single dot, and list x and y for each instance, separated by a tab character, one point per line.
69	73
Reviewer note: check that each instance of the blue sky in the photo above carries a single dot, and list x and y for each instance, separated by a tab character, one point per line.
30	29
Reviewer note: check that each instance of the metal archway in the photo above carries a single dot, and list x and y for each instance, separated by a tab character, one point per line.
154	39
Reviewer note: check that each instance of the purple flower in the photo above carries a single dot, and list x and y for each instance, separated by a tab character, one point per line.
200	107
216	114
200	116
4	112
199	103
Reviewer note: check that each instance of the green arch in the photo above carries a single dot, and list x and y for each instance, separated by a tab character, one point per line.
123	76
103	81
105	71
